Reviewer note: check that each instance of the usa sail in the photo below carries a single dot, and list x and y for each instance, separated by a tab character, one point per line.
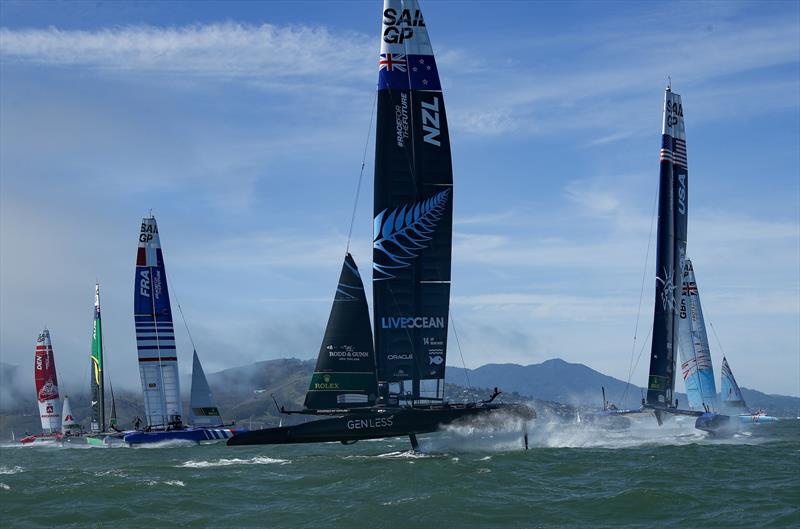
202	406
47	384
155	336
345	375
413	210
696	367
670	252
98	422
730	392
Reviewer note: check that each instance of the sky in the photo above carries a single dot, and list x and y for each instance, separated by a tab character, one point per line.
243	126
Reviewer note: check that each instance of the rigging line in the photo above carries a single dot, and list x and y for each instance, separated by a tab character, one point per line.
717	338
641	296
458	344
361	173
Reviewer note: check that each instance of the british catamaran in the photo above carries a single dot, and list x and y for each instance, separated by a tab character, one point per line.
158	360
395	388
44	369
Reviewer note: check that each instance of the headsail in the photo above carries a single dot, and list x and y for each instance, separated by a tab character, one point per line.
698	372
345	373
731	394
68	424
670	251
98	423
203	409
155	336
47	384
413	209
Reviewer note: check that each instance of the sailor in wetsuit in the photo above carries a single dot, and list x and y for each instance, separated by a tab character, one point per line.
493	396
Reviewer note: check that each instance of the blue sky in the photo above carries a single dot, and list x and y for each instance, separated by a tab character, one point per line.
243	126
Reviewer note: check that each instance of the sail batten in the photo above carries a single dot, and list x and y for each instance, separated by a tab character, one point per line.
670	252
413	209
155	335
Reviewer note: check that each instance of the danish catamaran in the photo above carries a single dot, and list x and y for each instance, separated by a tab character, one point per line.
158	360
46	391
397	387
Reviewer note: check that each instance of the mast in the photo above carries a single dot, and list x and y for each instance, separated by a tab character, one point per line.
203	409
98	423
413	210
670	252
345	375
47	384
696	366
155	335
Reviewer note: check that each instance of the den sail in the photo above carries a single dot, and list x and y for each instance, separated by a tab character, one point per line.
397	388
44	369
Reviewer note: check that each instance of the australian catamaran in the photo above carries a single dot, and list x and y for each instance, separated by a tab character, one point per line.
395	388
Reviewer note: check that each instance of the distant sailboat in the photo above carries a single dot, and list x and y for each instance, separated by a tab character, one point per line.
733	400
46	391
397	387
155	341
203	409
69	427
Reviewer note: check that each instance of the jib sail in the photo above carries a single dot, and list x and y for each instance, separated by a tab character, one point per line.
670	252
44	369
696	367
413	210
345	373
155	336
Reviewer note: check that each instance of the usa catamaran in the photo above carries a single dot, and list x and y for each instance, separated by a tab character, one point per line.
46	391
396	387
158	360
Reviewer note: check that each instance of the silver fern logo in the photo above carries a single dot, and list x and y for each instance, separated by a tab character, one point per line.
401	234
667	291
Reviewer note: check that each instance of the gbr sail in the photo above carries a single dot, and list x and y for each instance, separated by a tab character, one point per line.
344	376
696	367
155	336
47	384
670	252
413	210
98	422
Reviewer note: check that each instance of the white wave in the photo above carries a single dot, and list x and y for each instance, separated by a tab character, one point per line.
11	470
258	460
4	486
407	454
175	482
171	443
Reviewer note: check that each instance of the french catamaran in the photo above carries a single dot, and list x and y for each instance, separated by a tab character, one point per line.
46	392
394	387
158	360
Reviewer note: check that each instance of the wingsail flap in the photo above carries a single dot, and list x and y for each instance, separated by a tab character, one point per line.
345	375
155	335
670	251
203	409
413	209
696	367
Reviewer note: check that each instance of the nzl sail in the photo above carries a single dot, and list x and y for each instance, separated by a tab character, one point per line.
98	423
698	372
413	210
731	394
670	252
155	337
345	373
203	409
47	384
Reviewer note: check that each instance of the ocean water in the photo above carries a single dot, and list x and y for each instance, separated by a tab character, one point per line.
572	476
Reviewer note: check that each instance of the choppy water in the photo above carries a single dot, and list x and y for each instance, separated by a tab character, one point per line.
572	476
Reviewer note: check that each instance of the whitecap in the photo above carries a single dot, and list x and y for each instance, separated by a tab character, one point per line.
3	486
258	460
11	470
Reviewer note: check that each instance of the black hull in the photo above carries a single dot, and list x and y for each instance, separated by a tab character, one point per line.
375	424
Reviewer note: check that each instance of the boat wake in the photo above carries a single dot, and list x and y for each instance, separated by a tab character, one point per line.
4	470
170	443
258	460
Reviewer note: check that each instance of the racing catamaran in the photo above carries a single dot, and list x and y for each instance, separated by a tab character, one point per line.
733	401
395	388
46	391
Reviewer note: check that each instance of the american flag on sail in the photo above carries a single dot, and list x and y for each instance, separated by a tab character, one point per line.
673	150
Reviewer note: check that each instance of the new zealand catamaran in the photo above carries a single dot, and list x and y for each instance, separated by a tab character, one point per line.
397	387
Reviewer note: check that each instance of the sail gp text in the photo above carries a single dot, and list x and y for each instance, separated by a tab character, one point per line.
376	422
398	29
419	322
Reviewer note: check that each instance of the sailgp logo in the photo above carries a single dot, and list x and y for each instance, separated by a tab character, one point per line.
667	291
400	234
419	322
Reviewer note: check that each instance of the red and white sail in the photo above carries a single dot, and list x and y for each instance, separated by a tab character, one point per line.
47	384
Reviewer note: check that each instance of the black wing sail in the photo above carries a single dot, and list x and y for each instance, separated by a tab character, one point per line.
345	373
670	252
413	210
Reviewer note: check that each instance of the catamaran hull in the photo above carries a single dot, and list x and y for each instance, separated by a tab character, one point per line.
756	419
358	426
196	435
717	425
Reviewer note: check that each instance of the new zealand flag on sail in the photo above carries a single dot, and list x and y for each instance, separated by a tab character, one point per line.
398	71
